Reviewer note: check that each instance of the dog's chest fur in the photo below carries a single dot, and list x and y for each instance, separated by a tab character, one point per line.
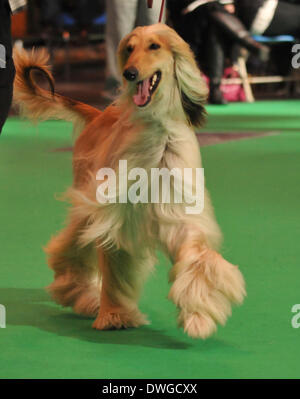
171	144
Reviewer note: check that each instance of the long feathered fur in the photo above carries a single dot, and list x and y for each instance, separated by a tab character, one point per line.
38	104
106	251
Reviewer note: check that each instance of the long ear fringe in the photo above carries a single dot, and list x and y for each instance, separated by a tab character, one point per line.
192	87
121	57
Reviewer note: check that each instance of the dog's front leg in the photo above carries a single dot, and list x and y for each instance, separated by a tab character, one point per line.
121	284
204	284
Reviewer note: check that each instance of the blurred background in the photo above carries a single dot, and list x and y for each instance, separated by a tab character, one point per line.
240	61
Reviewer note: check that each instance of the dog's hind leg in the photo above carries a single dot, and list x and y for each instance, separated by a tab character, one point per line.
204	284
122	279
76	275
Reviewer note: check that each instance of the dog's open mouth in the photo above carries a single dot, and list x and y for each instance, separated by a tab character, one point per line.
145	89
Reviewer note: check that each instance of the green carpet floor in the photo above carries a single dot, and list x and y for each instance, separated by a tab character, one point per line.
255	188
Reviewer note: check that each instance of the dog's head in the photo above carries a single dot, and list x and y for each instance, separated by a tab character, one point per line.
159	70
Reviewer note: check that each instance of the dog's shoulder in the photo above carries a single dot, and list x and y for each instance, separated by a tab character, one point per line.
97	130
106	119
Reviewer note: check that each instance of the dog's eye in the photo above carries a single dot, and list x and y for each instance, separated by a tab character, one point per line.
129	49
154	46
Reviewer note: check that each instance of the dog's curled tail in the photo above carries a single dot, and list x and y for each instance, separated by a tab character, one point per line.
38	104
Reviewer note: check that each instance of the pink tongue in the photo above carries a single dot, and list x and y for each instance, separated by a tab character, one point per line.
143	92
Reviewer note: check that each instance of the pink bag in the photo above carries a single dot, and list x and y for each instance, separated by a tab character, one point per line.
232	92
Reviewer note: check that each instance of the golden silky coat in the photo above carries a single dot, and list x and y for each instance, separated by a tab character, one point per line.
103	255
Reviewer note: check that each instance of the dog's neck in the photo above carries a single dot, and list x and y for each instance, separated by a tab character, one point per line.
159	136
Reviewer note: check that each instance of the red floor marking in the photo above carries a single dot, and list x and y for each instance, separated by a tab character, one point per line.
205	138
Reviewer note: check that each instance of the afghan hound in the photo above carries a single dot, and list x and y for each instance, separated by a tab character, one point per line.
104	254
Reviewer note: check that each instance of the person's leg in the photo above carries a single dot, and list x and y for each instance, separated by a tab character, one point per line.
149	16
7	69
286	20
215	65
236	31
121	17
189	27
6	91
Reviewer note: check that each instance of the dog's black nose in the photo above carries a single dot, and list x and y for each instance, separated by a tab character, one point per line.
131	74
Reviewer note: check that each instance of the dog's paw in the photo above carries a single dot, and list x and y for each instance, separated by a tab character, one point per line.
230	281
119	320
204	292
199	315
196	325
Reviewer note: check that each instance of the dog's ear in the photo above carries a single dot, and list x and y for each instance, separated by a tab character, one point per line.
192	87
122	53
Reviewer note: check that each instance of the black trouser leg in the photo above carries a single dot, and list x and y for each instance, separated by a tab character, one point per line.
216	56
216	61
234	28
286	20
7	70
6	90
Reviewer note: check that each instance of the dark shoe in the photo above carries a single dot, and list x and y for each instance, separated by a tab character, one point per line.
262	51
216	96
